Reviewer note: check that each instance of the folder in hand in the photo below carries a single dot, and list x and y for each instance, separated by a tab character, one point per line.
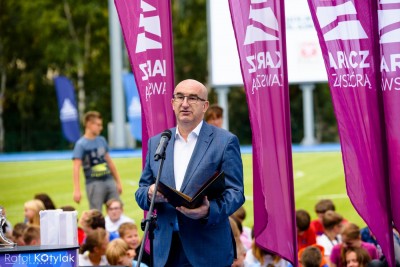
213	188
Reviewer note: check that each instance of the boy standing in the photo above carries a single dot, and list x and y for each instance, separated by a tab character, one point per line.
91	151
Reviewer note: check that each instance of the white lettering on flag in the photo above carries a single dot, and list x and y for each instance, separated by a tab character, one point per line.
267	18
151	25
387	18
345	30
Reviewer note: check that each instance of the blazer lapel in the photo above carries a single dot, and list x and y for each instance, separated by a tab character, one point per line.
167	174
203	142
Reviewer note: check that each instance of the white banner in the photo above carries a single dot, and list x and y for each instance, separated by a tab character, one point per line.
305	62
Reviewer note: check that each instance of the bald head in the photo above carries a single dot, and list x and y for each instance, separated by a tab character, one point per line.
190	83
189	104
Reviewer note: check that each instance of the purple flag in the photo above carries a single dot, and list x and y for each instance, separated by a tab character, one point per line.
147	30
347	31
67	107
259	27
146	26
389	30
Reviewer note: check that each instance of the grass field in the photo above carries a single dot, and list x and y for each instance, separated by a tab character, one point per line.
316	176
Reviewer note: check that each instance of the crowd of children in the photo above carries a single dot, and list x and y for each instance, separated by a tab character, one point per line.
327	241
110	240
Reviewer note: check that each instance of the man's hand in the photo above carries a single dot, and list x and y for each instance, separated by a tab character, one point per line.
159	197
197	213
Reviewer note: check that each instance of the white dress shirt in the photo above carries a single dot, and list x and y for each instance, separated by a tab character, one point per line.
183	151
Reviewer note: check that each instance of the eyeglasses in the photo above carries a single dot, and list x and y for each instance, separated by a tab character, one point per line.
191	99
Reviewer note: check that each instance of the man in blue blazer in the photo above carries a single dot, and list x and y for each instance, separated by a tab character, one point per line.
201	236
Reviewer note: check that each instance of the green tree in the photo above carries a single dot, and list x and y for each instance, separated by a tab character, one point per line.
190	40
41	39
325	120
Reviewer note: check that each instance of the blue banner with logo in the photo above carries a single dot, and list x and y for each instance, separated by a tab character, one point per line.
133	106
67	107
34	256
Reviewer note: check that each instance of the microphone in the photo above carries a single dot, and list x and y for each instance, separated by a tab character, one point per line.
165	136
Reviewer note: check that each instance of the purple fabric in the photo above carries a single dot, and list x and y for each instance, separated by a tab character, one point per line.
260	37
147	31
347	32
390	69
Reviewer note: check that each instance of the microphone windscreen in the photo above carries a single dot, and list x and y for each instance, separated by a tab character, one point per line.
167	133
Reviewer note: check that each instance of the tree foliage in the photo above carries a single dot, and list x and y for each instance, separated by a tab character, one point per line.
43	38
37	45
190	40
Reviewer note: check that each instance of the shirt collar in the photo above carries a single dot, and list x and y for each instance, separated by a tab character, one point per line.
196	131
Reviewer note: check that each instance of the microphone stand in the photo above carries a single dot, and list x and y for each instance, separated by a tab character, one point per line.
150	223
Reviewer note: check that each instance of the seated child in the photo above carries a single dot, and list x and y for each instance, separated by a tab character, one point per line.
129	233
119	253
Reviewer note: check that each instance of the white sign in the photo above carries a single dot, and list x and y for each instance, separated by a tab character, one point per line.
305	62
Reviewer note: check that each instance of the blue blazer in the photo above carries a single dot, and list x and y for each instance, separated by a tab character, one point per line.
205	242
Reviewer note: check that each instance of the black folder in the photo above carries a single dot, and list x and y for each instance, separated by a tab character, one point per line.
213	188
